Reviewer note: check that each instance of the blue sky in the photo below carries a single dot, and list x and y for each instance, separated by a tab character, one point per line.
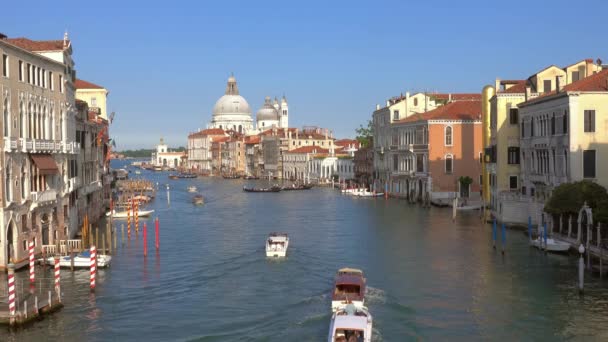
166	64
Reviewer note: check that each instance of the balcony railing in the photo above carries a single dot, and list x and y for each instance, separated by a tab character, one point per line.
46	196
11	144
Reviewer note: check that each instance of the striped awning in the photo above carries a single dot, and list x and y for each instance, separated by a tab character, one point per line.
45	163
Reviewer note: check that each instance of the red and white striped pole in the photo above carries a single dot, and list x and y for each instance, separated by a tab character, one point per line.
157	240
145	240
129	220
32	268
57	274
11	289
136	208
93	267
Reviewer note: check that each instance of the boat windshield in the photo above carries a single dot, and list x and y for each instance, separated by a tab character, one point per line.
345	291
349	335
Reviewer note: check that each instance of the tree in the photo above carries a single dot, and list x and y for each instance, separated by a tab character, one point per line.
568	198
365	135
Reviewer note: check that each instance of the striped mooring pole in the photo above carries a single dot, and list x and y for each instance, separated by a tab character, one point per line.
11	289
145	240
32	269
136	217
157	237
93	267
129	220
57	274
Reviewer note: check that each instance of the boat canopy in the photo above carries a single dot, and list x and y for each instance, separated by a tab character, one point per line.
349	280
348	270
350	322
277	239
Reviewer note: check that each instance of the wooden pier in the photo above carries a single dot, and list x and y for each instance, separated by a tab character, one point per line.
33	308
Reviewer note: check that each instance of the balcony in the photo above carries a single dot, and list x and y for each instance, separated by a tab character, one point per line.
71	147
539	178
418	147
403	173
11	144
27	145
44	197
91	187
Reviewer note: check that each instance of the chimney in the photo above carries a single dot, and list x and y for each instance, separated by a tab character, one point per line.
407	104
497	85
388	103
449	97
528	91
326	134
558	84
297	134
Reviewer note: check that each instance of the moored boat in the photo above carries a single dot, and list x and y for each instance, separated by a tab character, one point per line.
350	323
186	175
366	193
297	187
251	177
276	245
191	188
349	287
274	188
231	176
81	260
172	176
551	245
125	213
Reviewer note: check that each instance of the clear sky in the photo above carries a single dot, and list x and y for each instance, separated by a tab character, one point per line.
166	64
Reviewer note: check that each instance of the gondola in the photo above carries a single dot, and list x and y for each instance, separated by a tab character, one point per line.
271	189
297	187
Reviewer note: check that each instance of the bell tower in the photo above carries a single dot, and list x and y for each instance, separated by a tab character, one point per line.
284	113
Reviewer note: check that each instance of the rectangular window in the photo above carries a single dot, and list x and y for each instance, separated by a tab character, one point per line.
448	164
93	102
43	78
589	164
21	71
553	124
523	127
575	76
589	121
396	115
61	83
395	162
513	116
419	163
51	83
523	190
480	158
513	155
546	86
29	73
512	182
5	65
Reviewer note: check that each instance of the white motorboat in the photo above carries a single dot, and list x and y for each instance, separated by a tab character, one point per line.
276	245
350	323
366	193
552	245
192	188
349	288
81	260
137	172
125	214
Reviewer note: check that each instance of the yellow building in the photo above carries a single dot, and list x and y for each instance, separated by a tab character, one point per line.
93	94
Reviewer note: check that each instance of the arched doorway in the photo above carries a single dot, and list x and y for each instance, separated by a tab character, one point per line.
420	189
176	163
46	233
164	162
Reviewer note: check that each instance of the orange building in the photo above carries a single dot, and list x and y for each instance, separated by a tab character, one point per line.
436	151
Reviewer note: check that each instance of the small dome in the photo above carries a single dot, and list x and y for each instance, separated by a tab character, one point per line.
267	112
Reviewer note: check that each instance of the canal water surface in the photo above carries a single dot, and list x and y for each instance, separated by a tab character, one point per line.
428	278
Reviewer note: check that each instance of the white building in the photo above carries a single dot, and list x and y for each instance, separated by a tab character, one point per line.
273	114
165	158
231	111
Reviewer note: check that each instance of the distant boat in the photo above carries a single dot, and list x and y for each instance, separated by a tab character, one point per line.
231	176
297	187
125	214
366	193
198	200
173	176
274	188
191	188
137	172
552	245
251	177
186	175
276	245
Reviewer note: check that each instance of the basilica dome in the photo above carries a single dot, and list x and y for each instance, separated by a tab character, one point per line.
231	103
267	112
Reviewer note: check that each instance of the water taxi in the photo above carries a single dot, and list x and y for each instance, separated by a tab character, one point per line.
349	287
350	323
276	245
125	213
198	200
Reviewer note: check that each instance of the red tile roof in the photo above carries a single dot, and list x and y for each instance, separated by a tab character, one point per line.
36	45
207	132
458	110
252	139
309	149
280	131
82	84
596	82
456	96
519	87
220	139
346	142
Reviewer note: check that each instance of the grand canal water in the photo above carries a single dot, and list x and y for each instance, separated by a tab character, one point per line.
428	278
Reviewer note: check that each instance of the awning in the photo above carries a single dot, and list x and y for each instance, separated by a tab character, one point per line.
45	163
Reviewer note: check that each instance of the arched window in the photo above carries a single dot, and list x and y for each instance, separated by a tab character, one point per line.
7	122
240	128
21	120
8	189
448	136
449	167
23	180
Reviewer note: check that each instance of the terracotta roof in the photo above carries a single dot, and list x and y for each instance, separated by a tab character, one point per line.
346	142
220	139
36	45
82	84
206	132
518	87
456	96
595	82
252	139
309	149
458	110
280	131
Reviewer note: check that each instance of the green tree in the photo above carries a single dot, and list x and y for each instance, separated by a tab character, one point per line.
365	135
568	198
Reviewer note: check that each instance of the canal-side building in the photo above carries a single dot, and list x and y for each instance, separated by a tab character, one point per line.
165	158
363	164
94	95
440	148
562	138
199	149
234	157
39	145
254	158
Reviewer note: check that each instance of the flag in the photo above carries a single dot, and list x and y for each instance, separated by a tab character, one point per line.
112	117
